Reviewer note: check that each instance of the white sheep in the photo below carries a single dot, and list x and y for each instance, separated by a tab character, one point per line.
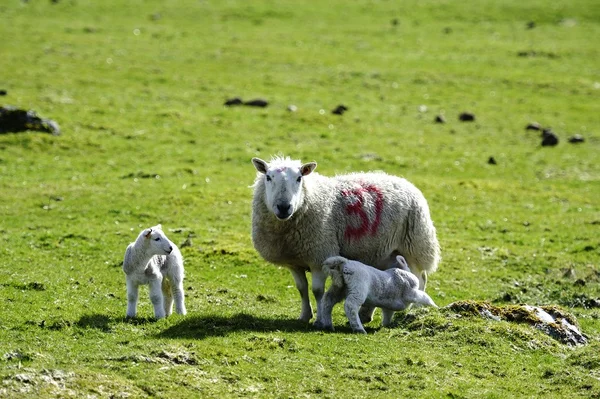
391	290
300	218
155	261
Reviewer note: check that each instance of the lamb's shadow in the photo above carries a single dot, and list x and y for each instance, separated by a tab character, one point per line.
199	327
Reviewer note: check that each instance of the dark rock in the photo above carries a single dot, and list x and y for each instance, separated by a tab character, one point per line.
492	161
576	139
466	117
13	120
395	22
440	119
258	102
530	25
233	101
339	110
3	92
549	138
533	126
447	30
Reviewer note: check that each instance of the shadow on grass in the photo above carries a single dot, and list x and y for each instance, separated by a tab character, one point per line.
102	322
199	327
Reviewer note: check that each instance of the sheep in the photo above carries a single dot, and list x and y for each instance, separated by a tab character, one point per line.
392	289
300	218
154	260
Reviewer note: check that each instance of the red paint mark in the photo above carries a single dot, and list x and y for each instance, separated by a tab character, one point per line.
358	198
280	170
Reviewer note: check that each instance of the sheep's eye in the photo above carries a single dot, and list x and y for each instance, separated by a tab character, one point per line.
157	239
299	179
268	178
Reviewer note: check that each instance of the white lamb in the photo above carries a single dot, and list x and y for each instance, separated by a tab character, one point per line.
391	290
300	218
154	260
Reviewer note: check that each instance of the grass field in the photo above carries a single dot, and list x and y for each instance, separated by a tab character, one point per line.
138	89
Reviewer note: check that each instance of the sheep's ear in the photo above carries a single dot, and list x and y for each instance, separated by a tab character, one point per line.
307	168
158	226
148	233
260	165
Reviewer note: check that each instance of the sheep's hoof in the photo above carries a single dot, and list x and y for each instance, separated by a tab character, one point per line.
322	326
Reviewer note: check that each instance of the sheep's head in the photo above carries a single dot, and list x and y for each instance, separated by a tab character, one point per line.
157	241
283	184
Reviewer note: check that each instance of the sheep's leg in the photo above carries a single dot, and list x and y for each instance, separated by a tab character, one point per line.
351	307
318	289
156	298
388	314
132	298
167	296
366	313
302	286
333	295
177	287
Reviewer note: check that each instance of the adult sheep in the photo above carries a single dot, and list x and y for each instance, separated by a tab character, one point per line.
301	218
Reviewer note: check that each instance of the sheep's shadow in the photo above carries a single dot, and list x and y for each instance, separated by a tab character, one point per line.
199	327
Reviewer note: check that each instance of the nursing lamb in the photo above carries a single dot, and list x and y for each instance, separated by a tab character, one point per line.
300	218
391	290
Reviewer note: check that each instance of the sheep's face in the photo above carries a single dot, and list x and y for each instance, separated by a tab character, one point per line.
157	241
283	184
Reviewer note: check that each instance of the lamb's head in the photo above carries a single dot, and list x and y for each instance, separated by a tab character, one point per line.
155	241
283	184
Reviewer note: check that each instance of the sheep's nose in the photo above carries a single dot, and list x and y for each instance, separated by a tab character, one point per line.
284	210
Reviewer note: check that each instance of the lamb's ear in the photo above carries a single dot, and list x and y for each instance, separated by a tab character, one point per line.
260	165
158	226
147	233
307	168
402	262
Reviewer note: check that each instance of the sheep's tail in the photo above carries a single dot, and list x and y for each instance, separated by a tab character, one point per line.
333	266
421	240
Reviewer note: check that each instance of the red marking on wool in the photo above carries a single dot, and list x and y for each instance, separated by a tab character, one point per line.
358	197
280	170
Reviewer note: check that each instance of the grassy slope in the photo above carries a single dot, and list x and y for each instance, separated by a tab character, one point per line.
133	107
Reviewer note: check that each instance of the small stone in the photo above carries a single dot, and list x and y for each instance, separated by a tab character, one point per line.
492	161
292	108
533	126
3	92
233	101
258	102
576	139
440	119
339	110
466	117
549	138
530	25
395	22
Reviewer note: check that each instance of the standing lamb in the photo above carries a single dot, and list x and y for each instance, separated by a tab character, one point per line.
154	260
392	289
300	218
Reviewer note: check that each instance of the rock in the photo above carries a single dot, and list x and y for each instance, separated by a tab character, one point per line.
13	120
576	139
533	126
258	102
3	92
549	138
492	161
339	110
530	25
440	119
466	117
233	101
292	108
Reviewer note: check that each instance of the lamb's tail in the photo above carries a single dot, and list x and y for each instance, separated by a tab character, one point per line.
333	266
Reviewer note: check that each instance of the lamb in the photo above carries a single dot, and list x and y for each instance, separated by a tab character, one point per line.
154	260
300	218
391	290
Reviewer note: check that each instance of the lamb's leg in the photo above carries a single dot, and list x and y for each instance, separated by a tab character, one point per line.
167	296
156	298
132	298
388	314
333	295
351	307
177	287
302	286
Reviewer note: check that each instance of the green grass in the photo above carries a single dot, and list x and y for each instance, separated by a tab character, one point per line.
137	88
